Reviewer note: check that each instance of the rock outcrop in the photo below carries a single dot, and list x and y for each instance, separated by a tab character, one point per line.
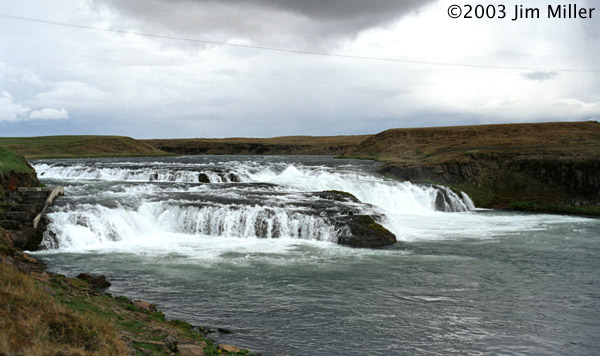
363	231
355	229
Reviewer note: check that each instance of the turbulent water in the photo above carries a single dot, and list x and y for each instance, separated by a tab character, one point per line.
249	244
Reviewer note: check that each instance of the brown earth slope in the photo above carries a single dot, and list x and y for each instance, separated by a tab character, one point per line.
546	167
78	146
288	145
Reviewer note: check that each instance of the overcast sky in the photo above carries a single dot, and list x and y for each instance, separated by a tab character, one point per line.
72	80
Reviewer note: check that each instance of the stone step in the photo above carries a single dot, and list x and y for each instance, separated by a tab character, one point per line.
15	197
35	194
17	216
35	189
10	224
30	200
28	208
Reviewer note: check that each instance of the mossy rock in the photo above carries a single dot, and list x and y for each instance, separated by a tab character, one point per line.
363	231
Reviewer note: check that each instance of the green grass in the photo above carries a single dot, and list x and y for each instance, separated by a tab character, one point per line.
555	209
78	146
10	162
287	145
49	314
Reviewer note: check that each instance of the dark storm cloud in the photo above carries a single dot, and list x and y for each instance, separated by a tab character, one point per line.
273	20
374	10
539	76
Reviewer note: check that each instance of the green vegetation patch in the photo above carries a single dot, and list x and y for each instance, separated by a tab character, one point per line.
555	209
78	146
49	314
10	162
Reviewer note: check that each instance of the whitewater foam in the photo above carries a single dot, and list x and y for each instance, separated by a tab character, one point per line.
143	203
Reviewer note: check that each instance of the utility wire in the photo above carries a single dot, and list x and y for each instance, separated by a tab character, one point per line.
296	51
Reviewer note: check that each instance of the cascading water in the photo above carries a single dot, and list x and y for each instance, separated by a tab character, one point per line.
138	201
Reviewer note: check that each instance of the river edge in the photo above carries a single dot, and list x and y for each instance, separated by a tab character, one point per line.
48	313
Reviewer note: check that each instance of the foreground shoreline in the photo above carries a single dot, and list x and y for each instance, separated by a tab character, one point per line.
47	313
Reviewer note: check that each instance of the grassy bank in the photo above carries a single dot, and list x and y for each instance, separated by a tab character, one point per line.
48	314
78	146
437	145
287	145
14	171
10	162
549	167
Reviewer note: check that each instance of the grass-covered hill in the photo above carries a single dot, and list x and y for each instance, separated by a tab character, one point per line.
287	145
78	146
10	162
432	145
544	167
14	172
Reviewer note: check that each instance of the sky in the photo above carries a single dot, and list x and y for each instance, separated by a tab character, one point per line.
206	68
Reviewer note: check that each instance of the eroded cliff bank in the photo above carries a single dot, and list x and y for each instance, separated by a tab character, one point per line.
553	167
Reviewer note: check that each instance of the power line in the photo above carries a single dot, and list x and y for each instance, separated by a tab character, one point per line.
296	51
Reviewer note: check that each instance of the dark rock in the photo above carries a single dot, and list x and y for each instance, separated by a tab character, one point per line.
10	224
337	195
224	331
31	238
203	330
96	281
203	178
363	231
145	305
171	343
234	178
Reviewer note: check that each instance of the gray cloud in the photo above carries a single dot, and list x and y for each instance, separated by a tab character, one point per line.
273	21
539	76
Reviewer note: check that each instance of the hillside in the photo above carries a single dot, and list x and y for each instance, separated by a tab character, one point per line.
78	146
14	172
546	167
288	145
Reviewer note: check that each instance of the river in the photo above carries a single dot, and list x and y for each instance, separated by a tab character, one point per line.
246	243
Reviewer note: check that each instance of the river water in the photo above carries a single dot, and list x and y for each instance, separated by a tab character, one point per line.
246	243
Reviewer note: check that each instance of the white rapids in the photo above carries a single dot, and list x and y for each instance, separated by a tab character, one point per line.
130	204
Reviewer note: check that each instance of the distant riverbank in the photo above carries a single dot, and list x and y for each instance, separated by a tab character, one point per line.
545	167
